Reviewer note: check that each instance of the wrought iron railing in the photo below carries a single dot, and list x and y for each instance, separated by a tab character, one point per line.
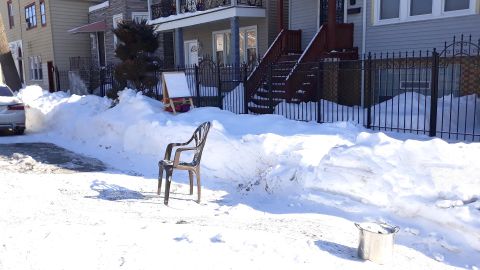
166	8
162	9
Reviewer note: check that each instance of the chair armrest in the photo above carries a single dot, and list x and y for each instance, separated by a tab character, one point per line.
168	151
179	151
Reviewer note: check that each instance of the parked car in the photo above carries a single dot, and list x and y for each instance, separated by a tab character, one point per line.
12	111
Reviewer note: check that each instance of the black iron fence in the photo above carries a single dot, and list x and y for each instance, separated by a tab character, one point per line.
165	8
435	93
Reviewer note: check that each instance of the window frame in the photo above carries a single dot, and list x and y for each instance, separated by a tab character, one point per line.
42	2
36	68
461	12
379	9
11	18
438	12
242	30
33	8
421	16
114	26
139	14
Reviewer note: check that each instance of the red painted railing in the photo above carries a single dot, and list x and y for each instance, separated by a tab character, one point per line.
316	50
287	41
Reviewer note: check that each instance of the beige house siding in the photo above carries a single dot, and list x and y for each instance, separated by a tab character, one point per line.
65	15
51	42
35	41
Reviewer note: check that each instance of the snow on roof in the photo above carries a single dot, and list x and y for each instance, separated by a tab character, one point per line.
99	6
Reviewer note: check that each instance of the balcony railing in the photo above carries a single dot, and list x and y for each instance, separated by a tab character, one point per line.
167	8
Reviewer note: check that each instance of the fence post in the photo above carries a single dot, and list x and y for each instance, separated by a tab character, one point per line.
434	96
102	81
245	94
197	85
57	75
270	89
219	88
319	93
369	88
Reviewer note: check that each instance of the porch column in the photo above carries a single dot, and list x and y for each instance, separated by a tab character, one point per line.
235	30
179	48
332	20
149	8
280	15
179	45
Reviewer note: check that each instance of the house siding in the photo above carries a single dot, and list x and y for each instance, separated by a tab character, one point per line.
304	16
124	7
357	20
66	15
419	35
36	41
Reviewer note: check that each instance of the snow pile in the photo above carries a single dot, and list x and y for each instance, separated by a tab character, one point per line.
433	181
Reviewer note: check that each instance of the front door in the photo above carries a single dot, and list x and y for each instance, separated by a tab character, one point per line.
51	81
324	11
191	52
101	48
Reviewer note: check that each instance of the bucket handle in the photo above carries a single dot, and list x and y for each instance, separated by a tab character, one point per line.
396	229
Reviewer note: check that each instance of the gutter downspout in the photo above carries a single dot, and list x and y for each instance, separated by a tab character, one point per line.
364	34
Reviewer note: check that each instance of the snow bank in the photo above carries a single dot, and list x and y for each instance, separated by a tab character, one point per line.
430	180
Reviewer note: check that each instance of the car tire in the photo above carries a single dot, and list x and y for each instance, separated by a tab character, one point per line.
19	131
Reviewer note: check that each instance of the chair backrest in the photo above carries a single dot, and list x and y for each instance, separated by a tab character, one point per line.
200	137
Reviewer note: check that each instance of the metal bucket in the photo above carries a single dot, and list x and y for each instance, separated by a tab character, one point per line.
376	241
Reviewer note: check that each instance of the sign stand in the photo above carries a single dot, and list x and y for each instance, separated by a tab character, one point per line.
175	86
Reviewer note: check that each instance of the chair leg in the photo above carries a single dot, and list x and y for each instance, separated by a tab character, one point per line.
190	176
160	176
199	186
167	185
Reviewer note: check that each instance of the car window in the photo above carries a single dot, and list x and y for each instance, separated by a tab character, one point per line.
5	92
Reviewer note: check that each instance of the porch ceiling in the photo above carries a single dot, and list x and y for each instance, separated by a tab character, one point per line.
211	15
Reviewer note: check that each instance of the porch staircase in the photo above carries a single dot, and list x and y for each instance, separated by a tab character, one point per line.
295	73
264	100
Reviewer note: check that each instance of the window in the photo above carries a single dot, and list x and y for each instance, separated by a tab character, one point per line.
222	48
117	19
453	5
248	46
43	13
30	16
420	7
139	16
389	9
11	21
398	11
391	82
36	73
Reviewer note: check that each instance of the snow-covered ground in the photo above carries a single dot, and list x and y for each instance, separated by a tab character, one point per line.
277	193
